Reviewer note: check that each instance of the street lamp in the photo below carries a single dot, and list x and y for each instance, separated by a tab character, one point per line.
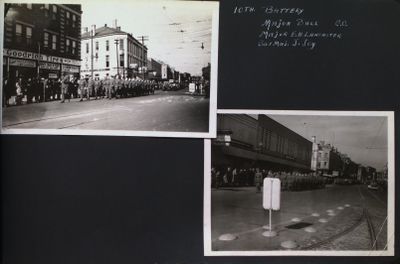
116	49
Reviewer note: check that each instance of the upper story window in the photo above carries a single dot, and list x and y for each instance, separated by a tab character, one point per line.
29	6
18	33
107	45
28	36
54	42
121	44
97	45
87	47
73	20
67	45
54	14
74	47
46	40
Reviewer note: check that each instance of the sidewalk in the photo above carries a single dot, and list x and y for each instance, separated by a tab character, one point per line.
321	214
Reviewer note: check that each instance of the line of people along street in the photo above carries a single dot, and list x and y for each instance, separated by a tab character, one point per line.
37	90
226	176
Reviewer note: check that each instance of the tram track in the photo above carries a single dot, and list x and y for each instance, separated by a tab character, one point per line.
365	217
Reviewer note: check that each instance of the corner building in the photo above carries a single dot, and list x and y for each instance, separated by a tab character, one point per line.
41	40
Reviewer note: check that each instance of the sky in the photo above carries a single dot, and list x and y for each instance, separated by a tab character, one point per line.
362	138
176	30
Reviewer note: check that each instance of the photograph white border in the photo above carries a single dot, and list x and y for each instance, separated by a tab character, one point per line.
212	131
391	202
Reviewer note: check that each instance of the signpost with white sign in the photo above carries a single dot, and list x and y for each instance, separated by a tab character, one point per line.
271	200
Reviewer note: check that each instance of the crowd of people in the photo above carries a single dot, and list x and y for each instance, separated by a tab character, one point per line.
68	87
227	176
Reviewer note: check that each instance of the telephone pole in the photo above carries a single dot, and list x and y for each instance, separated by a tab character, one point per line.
143	62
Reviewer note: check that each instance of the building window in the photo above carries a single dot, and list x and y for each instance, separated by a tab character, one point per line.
73	20
97	45
67	45
68	16
107	61
107	45
54	14
29	6
121	44
73	47
28	36
46	40
54	42
18	33
46	6
121	60
87	48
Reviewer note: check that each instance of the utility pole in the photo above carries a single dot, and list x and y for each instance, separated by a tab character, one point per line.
142	62
116	49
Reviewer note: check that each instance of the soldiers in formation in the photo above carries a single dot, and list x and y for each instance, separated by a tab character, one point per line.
43	90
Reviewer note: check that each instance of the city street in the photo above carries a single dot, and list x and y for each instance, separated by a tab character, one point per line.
338	217
174	111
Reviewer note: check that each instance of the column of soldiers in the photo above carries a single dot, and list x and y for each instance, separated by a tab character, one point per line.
42	90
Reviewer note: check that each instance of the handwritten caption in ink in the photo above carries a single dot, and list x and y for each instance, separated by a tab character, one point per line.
294	30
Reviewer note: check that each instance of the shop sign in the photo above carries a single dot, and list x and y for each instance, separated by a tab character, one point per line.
49	66
70	69
22	63
35	56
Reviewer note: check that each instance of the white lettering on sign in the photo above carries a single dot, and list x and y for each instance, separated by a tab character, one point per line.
35	56
272	193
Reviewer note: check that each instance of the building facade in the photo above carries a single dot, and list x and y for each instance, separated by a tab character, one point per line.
247	142
109	50
41	40
329	161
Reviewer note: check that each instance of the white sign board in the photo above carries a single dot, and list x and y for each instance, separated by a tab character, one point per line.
272	193
192	88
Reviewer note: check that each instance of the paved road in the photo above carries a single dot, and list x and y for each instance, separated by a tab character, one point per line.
163	111
238	211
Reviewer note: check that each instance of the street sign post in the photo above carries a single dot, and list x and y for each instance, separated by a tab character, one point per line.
271	200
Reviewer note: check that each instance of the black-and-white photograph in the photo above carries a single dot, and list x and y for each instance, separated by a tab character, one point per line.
140	68
300	183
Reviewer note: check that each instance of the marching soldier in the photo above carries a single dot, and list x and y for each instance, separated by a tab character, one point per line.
82	87
64	88
97	85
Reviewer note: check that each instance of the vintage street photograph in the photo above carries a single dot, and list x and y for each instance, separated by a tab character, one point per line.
300	183
140	68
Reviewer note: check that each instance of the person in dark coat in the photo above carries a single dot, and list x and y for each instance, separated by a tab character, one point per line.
64	88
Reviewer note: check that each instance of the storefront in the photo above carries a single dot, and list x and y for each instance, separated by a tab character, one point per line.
24	64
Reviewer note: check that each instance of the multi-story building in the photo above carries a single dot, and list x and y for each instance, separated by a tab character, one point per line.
154	69
247	141
41	40
329	161
109	50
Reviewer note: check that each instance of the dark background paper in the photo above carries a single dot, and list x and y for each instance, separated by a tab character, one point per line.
91	199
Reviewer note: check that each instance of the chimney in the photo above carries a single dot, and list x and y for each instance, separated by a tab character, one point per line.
105	25
94	29
114	23
314	139
118	28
